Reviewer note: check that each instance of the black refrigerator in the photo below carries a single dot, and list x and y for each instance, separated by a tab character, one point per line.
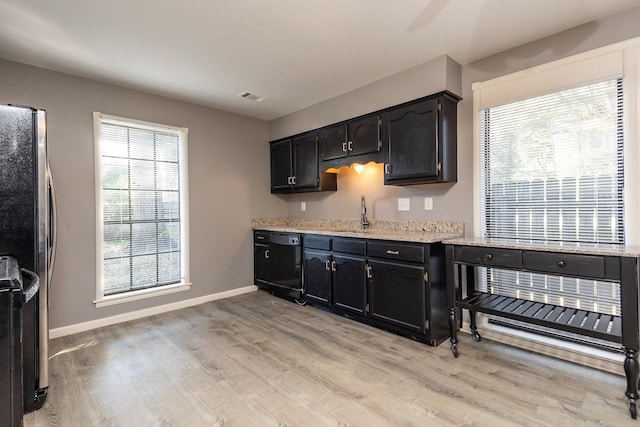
27	236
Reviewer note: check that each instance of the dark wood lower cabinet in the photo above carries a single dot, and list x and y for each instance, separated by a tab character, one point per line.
317	274
396	286
261	266
397	294
350	283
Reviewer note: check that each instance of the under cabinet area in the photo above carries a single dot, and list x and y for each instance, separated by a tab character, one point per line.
397	286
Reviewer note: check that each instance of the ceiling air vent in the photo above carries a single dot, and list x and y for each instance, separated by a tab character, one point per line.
253	96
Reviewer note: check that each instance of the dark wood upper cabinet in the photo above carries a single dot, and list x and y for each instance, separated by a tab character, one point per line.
305	161
421	143
281	166
417	142
346	143
333	142
295	166
364	135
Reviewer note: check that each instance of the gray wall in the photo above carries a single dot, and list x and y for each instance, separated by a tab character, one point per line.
228	183
451	202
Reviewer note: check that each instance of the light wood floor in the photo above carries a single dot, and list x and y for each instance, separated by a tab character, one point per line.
257	360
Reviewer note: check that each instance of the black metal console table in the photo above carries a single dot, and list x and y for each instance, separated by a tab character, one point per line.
612	263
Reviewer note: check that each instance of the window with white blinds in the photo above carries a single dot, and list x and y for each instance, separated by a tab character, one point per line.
141	204
551	168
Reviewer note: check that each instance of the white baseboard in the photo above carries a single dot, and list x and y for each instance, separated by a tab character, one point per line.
125	317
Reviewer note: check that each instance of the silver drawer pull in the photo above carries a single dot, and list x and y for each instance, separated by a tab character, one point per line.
489	257
562	264
390	252
260	237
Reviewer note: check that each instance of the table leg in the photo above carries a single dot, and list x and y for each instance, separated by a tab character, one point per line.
453	327
474	328
632	370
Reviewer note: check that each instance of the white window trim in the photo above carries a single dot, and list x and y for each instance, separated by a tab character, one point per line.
102	300
620	59
617	60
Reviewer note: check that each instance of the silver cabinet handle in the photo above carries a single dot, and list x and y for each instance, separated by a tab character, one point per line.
326	265
266	254
289	180
390	252
387	168
344	147
333	266
350	145
369	275
293	180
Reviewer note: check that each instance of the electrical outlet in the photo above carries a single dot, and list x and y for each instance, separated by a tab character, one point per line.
404	204
428	203
303	206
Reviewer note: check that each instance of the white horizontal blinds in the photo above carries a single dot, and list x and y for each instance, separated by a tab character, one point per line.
552	169
141	206
552	166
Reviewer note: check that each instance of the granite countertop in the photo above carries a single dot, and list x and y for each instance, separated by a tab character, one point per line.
405	231
548	246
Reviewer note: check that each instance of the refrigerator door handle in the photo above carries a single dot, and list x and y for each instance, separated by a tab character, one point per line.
53	221
32	289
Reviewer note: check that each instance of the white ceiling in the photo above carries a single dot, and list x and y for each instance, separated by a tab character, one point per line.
296	52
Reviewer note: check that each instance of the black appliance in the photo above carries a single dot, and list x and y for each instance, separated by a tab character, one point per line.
285	264
17	288
27	233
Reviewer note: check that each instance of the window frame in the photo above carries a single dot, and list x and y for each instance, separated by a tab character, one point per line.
101	299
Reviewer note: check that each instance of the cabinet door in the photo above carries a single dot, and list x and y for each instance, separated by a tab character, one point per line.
333	142
280	164
317	276
364	135
397	294
261	269
305	161
411	137
349	283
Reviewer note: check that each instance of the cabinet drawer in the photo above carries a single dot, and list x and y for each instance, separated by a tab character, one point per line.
399	251
565	264
349	246
509	258
261	237
317	242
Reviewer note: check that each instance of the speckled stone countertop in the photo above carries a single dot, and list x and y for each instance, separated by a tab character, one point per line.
540	245
405	231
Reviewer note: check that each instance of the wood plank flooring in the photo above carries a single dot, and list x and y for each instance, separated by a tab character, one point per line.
257	360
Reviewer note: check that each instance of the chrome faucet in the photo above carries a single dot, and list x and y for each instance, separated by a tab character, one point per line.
364	222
